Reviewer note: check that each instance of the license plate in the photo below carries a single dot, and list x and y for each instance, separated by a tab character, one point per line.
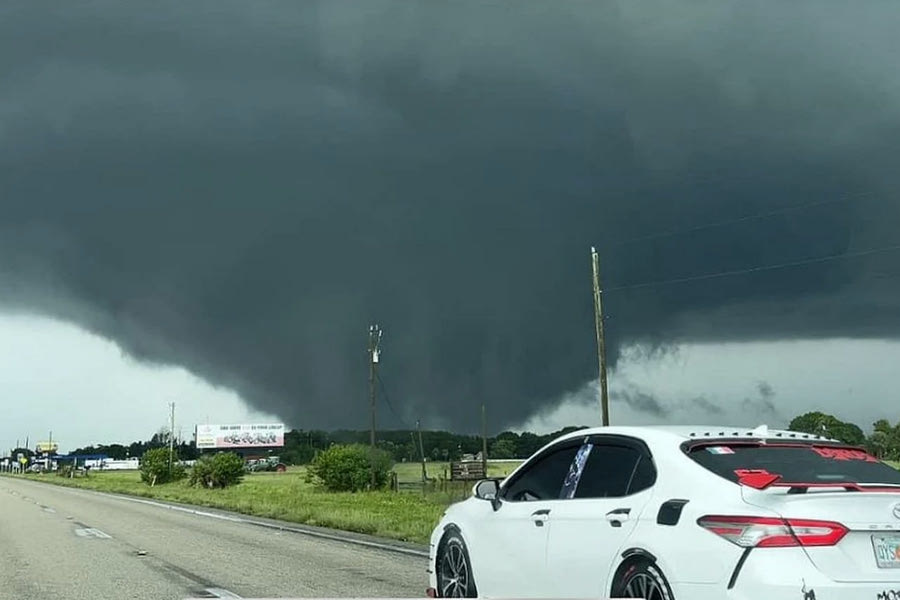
887	551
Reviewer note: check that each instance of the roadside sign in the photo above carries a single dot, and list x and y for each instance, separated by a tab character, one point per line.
239	436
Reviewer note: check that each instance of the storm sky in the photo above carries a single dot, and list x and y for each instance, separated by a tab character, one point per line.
239	189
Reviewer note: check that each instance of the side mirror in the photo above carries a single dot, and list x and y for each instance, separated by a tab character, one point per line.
488	489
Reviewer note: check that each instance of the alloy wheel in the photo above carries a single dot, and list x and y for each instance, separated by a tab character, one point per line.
454	573
643	585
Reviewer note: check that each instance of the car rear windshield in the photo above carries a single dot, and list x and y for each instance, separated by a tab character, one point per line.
797	464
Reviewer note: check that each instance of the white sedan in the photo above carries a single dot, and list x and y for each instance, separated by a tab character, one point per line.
681	513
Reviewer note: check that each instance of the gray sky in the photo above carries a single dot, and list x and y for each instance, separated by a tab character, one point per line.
238	190
742	384
56	377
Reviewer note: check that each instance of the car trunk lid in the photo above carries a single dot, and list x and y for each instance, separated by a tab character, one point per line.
869	552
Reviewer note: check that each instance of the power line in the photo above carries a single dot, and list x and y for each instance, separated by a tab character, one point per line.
387	401
785	265
753	217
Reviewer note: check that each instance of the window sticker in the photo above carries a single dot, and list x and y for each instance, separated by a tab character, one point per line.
577	466
720	450
844	454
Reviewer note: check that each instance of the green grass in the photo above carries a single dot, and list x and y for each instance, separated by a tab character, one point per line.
893	463
408	516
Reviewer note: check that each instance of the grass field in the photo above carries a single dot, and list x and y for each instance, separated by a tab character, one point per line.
409	515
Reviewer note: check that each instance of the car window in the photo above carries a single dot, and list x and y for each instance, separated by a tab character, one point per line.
543	479
608	472
644	475
796	463
575	470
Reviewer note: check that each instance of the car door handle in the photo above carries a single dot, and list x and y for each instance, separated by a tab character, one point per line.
540	516
618	516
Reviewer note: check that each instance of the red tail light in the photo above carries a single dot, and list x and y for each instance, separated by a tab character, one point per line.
766	532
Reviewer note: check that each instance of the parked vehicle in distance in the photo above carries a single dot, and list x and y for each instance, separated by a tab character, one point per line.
677	513
270	463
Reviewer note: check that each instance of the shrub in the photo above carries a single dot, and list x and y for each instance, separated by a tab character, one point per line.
218	470
349	468
155	467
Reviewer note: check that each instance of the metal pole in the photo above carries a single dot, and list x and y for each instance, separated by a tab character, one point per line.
601	343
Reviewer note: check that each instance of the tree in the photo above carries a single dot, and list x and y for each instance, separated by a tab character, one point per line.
348	468
503	448
819	423
155	467
885	440
879	444
219	470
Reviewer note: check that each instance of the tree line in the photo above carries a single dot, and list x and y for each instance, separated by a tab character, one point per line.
301	446
883	442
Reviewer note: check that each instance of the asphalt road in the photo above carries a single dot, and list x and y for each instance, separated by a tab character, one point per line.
74	544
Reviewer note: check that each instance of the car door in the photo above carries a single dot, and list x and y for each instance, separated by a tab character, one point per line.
512	541
591	526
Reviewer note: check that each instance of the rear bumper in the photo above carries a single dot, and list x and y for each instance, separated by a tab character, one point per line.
792	591
787	574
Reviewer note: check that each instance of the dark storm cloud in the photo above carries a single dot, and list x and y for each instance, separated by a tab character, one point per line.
641	401
764	405
707	406
243	188
647	402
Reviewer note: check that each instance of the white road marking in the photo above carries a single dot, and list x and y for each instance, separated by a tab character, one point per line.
92	532
48	509
298	529
220	593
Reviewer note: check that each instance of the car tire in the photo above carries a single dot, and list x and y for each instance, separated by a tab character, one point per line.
454	568
642	579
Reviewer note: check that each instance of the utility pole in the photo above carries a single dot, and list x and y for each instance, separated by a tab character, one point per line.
483	441
374	341
421	453
601	343
171	434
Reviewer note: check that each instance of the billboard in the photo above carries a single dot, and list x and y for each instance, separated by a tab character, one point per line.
239	436
43	447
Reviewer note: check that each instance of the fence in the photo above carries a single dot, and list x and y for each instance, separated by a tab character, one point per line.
440	485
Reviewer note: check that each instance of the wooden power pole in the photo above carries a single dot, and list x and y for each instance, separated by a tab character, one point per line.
374	340
421	453
171	434
483	441
601	343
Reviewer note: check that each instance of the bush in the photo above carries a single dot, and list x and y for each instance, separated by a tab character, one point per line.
155	467
218	470
349	468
